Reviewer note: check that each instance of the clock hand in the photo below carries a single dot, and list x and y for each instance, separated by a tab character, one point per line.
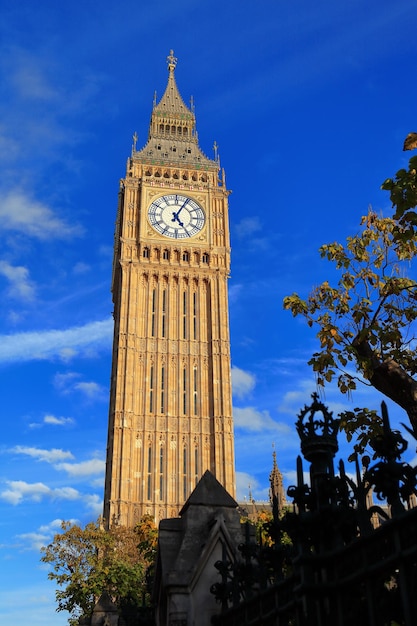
175	217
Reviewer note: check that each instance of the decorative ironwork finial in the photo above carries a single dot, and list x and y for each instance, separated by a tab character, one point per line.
317	433
172	61
393	480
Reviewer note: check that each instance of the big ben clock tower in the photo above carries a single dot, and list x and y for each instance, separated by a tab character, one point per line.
170	415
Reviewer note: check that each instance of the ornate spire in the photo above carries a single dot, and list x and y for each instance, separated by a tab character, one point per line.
171	104
172	132
275	480
172	61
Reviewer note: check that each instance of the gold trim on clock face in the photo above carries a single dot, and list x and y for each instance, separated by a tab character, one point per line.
176	216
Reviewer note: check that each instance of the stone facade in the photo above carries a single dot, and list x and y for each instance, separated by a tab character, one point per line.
208	530
170	416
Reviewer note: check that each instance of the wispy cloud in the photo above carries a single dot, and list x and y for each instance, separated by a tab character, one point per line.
242	382
21	213
57	421
35	540
38	110
49	456
81	268
21	287
82	469
29	81
248	226
91	390
234	292
251	419
247	486
65	382
94	503
59	459
19	490
55	525
49	344
68	383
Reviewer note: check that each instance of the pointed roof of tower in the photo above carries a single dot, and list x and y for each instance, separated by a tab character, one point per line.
172	137
171	102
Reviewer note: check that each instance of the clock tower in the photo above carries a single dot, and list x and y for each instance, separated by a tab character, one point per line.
170	416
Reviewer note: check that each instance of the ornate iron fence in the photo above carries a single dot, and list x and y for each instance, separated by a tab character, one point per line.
336	569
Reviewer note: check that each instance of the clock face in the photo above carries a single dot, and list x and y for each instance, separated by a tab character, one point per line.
176	216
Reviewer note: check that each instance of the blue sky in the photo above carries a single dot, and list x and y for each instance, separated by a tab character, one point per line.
309	104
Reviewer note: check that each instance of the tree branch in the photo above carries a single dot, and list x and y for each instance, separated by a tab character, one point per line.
391	379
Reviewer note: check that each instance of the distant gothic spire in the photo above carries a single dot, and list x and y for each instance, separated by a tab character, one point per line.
277	486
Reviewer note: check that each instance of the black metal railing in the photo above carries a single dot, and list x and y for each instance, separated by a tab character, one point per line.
330	563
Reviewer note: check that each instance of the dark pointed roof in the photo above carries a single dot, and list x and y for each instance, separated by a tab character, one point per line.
105	604
209	492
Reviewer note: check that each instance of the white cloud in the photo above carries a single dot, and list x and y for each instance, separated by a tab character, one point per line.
90	389
248	226
67	354
250	418
57	421
84	468
97	482
293	401
244	484
94	503
58	458
21	287
15	317
65	493
234	292
49	344
248	488
19	490
49	456
29	81
242	382
20	213
81	268
35	540
53	526
67	383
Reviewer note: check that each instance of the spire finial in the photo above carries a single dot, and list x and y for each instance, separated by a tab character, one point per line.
134	142
172	61
274	457
215	148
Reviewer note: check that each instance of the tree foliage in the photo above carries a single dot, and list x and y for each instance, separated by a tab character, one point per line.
403	195
366	323
88	561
